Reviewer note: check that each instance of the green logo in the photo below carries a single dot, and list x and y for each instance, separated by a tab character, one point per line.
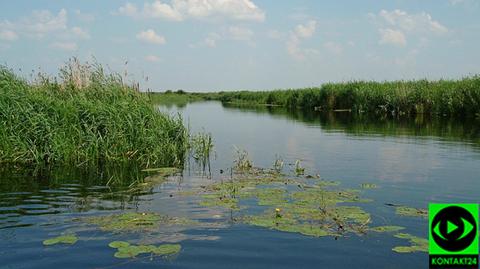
453	233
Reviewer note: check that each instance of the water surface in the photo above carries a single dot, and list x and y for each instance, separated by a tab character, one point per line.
413	161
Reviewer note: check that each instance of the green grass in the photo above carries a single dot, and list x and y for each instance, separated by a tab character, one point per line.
450	97
84	117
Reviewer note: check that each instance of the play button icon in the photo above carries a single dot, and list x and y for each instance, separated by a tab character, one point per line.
451	227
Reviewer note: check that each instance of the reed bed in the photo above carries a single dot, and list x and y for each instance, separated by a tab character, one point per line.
84	116
444	97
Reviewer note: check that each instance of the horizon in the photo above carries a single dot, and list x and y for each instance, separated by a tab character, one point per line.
212	45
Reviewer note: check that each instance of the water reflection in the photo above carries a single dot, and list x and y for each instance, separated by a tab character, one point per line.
449	129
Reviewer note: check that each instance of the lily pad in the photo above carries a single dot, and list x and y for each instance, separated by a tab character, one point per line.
118	244
64	239
131	251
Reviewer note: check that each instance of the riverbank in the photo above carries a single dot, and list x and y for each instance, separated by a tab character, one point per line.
84	117
442	97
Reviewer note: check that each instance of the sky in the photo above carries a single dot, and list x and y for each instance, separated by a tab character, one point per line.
212	45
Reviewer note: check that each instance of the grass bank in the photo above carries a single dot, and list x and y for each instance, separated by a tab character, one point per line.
84	117
450	97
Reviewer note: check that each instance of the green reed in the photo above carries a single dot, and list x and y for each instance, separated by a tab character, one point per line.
449	97
84	117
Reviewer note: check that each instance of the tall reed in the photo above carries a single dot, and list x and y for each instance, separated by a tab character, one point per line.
84	116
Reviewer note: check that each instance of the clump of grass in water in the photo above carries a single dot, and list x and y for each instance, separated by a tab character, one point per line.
84	117
242	161
201	146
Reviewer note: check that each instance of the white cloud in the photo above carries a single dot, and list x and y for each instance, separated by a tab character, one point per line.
306	30
419	23
66	46
85	17
152	58
237	33
456	2
240	33
211	40
80	33
8	35
396	26
333	47
42	24
158	9
392	37
275	34
179	10
301	32
149	36
128	9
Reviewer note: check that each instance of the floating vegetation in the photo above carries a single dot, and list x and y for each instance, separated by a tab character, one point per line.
136	222
418	244
368	186
411	212
63	239
126	250
386	229
291	205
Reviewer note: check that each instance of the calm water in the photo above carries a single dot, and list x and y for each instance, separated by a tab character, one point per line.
414	162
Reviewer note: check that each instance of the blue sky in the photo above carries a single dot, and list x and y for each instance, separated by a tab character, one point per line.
207	45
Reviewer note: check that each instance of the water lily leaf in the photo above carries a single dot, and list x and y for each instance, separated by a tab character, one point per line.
64	239
167	249
118	244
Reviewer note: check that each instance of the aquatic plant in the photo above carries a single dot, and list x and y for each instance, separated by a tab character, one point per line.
453	97
242	161
411	212
84	117
127	250
417	244
299	170
63	239
386	229
201	145
136	222
278	165
368	186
